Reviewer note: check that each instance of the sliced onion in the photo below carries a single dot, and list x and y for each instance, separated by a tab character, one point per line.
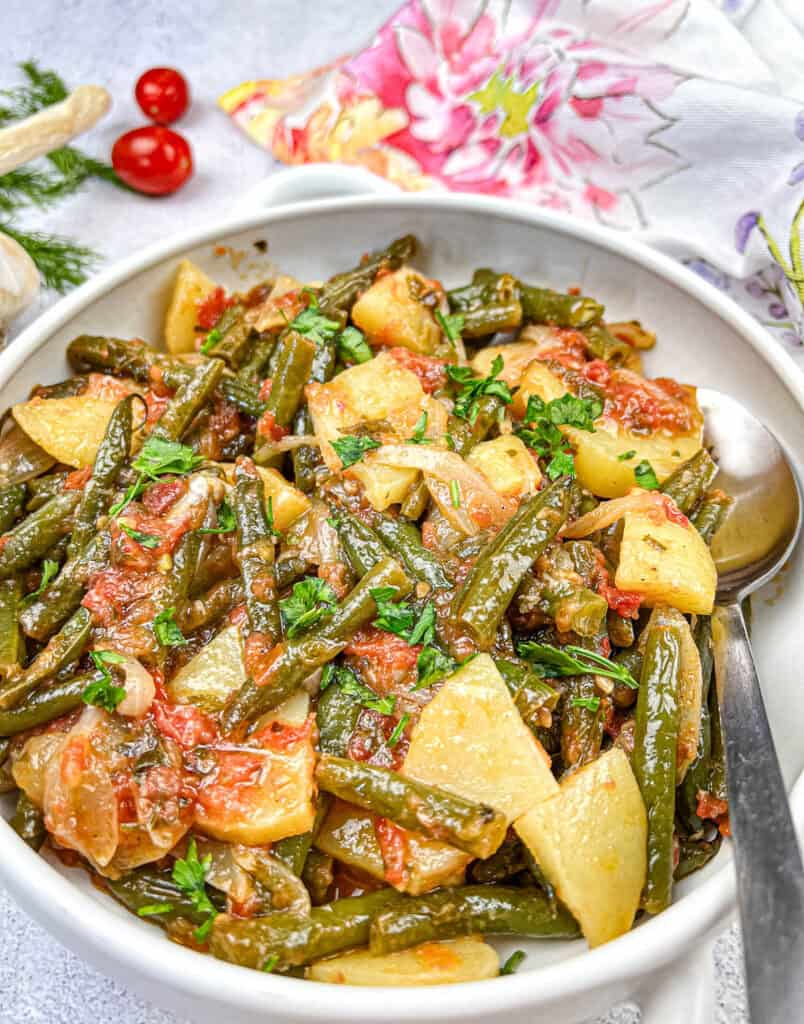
21	458
458	518
140	689
291	442
608	512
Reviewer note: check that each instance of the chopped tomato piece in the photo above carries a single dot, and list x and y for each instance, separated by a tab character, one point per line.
212	307
710	806
386	652
161	496
625	602
673	512
268	427
265	389
184	723
394	848
431	372
76	480
102	385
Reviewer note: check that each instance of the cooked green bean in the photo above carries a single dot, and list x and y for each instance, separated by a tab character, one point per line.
545	306
404	540
12	650
603	345
654	758
98	492
250	374
361	544
414	503
293	939
496	575
532	694
697	778
341	291
234	337
64	648
148	887
46	705
294	850
711	512
31	540
255	552
317	875
686	485
299	657
43	488
336	718
131	358
474	827
242	397
294	356
694	855
306	459
190	398
29	822
489	304
469	910
12	499
582	721
220	599
465	434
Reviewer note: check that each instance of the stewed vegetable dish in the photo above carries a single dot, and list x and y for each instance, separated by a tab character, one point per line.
354	622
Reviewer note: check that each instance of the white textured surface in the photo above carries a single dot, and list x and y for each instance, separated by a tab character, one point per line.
111	42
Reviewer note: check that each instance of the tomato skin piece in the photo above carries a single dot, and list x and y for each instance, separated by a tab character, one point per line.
163	94
153	160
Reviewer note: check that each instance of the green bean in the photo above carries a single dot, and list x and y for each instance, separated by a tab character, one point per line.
29	822
581	726
12	650
294	939
234	337
219	600
686	485
414	504
46	705
404	541
299	657
250	373
341	291
255	551
490	586
317	875
532	694
132	358
242	397
189	399
621	630
693	855
293	850
717	751
602	344
149	887
32	539
336	717
361	545
294	359
545	306
697	777
289	569
466	435
96	497
508	861
12	499
474	827
306	459
64	389
44	615
469	910
43	488
654	758
489	304
64	648
710	514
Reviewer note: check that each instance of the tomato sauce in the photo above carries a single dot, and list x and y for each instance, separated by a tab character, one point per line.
431	372
394	848
211	308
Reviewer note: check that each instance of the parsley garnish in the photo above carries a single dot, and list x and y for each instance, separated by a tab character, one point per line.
166	629
313	324
573	661
157	458
310	600
270	963
226	520
151	909
102	692
398	732
588	703
400	618
455	493
544	437
645	476
451	324
513	962
190	874
146	540
418	435
432	665
351	449
625	456
353	347
347	681
269	517
472	388
211	341
49	570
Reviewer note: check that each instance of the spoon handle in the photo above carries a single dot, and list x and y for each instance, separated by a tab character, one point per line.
770	878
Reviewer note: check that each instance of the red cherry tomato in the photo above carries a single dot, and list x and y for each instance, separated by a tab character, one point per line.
163	94
155	160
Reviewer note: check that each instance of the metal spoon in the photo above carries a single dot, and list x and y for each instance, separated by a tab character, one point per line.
756	539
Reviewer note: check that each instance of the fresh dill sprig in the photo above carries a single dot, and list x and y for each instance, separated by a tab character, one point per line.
62	263
43	89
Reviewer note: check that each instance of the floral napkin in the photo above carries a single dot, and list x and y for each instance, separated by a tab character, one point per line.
681	121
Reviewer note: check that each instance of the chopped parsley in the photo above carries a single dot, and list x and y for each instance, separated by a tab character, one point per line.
49	570
419	431
399	730
588	703
145	540
347	681
190	873
645	476
269	517
432	665
513	962
152	909
400	618
313	324
472	388
166	629
455	493
353	347
156	458
211	340
541	433
226	520
351	449
103	693
625	456
309	601
451	324
270	963
573	661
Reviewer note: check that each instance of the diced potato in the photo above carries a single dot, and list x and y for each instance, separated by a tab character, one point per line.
597	461
471	740
265	792
507	465
384	485
391	313
433	963
213	675
273	314
590	840
192	286
287	501
516	357
69	429
667	562
348	835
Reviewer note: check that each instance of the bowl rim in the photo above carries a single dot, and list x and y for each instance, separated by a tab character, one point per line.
50	897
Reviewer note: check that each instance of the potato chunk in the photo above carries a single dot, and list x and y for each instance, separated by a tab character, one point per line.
287	501
471	740
69	429
213	675
433	963
590	841
192	286
507	465
391	312
666	561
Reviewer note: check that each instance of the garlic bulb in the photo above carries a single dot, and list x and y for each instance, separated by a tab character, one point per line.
19	280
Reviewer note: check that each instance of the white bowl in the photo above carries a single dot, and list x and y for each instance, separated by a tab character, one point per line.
703	338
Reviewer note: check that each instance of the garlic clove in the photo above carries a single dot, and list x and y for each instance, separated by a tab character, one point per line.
19	280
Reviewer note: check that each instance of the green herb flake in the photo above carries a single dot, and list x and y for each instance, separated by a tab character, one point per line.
587	703
455	493
49	570
353	347
433	665
625	456
452	325
211	341
571	660
190	873
513	962
540	431
645	476
312	323
103	693
157	458
269	517
400	618
351	449
145	540
399	731
348	682
472	388
309	601
166	629
152	909
419	431
226	520
271	963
